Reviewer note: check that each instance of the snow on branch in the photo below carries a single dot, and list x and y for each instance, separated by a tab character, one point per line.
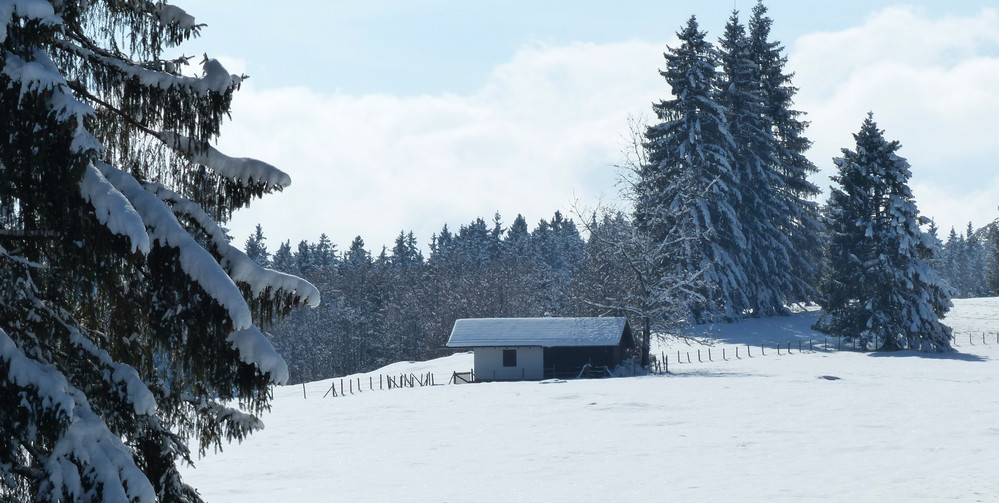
216	79
239	169
42	75
86	451
114	210
38	10
107	462
197	262
24	372
241	268
255	349
136	391
173	15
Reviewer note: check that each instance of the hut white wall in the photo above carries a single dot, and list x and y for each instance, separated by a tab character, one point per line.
489	364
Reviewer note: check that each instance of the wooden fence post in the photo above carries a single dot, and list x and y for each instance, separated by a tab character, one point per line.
762	350
303	392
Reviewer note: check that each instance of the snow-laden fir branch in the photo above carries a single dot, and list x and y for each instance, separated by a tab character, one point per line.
240	267
255	349
239	169
108	462
114	210
196	262
216	78
41	75
33	10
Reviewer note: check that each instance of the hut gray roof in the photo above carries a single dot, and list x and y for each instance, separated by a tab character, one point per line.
544	332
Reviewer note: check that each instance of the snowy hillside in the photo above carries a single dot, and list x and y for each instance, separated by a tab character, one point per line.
840	426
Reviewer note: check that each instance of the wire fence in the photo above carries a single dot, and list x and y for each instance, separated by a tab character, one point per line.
662	361
345	386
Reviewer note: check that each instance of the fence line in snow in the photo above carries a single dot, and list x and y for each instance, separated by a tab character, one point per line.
661	365
354	385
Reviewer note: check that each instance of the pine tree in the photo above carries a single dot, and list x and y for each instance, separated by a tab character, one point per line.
953	265
881	289
974	260
323	253
127	320
356	254
405	253
687	192
799	220
769	258
304	261
256	249
284	260
992	258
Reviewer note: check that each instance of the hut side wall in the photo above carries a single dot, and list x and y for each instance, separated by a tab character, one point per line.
489	364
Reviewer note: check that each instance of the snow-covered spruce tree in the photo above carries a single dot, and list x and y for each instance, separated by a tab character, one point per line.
256	249
881	289
686	194
992	258
126	317
974	256
799	221
769	260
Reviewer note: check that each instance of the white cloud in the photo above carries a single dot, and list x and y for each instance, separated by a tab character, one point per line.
544	129
547	126
930	83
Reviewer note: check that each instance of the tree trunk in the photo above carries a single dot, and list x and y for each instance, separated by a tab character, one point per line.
646	342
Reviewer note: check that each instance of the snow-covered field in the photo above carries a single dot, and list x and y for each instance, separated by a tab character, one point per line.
828	425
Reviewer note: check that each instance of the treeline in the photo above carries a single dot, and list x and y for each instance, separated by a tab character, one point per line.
969	261
400	305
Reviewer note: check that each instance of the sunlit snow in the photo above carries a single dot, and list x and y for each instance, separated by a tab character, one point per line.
836	425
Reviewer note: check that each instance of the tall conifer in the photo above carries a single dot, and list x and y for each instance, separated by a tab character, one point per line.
687	193
127	320
799	220
881	289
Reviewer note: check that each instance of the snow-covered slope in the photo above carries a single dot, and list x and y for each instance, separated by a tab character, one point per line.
839	426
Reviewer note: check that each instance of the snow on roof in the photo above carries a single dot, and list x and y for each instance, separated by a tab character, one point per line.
545	332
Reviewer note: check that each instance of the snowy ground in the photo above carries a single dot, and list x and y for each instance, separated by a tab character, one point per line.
828	425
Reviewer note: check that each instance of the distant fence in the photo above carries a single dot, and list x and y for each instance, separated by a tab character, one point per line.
350	385
355	385
661	364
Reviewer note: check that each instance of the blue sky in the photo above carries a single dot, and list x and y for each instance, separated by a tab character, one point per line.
449	46
398	116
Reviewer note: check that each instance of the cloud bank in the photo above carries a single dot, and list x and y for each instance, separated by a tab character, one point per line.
547	127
